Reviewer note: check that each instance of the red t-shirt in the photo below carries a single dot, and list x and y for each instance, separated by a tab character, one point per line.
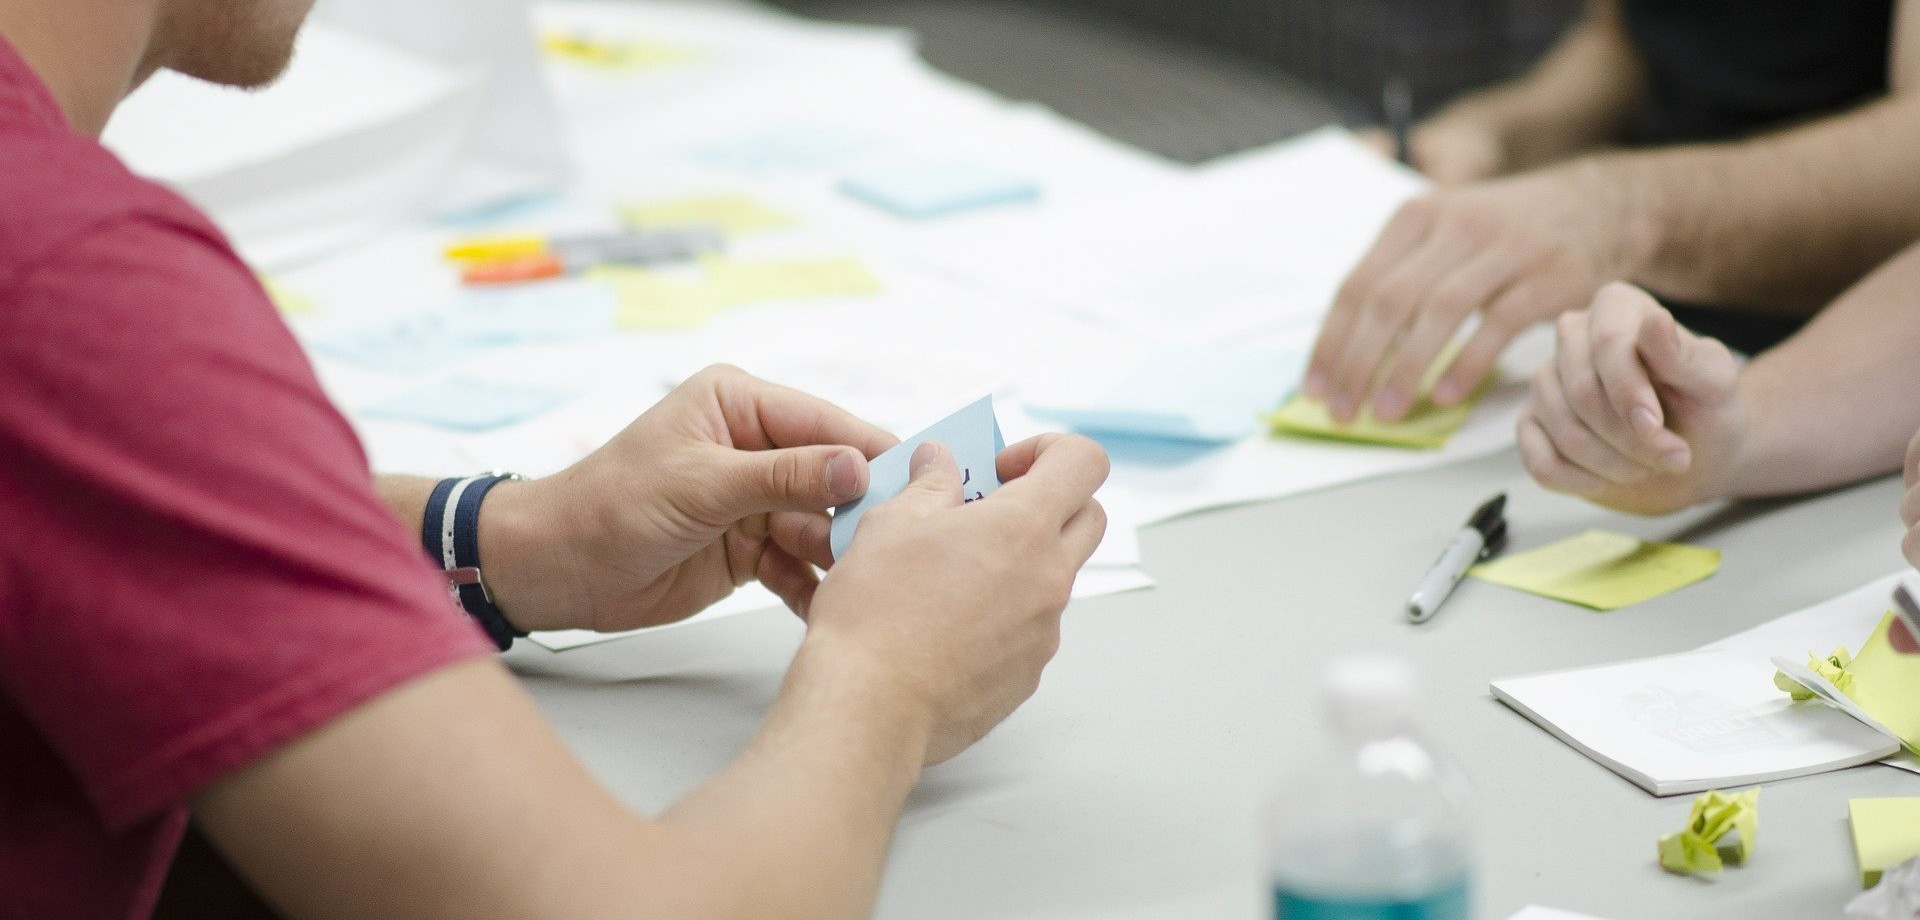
194	568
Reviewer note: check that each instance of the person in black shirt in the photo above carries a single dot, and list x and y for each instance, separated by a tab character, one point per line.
1752	155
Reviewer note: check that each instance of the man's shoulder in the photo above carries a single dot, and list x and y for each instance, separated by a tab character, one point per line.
60	188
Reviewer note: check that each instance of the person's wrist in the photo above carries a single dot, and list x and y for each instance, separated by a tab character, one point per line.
1632	227
861	680
523	556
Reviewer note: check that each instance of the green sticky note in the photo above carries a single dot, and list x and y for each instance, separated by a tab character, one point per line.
1602	570
1886	833
1426	426
734	214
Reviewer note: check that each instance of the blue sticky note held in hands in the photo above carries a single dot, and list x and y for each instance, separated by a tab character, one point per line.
933	189
1207	395
467	404
972	434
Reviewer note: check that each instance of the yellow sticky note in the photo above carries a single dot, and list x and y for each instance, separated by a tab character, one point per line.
286	300
646	300
731	213
1886	833
1887	684
1721	829
611	53
788	279
1425	426
1602	570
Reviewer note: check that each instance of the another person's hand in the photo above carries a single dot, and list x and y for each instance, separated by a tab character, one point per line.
676	510
1634	412
1512	252
1449	151
955	605
1910	515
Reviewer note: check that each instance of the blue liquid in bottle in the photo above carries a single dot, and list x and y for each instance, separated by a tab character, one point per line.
1373	825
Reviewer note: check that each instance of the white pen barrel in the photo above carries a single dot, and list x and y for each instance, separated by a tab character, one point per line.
1446	572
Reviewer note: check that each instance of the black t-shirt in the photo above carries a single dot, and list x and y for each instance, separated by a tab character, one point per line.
1720	69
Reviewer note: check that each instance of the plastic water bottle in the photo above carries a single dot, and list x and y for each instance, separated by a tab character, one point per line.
1374	824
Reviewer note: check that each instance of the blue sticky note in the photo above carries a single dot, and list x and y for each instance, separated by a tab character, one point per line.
973	434
411	343
1190	393
933	189
792	148
545	311
467	404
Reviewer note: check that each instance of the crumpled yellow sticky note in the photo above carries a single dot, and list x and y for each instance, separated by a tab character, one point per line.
1833	668
1884	682
1426	426
1602	570
1719	833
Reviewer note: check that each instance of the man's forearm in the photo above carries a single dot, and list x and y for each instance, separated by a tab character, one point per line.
1580	96
1779	223
1836	403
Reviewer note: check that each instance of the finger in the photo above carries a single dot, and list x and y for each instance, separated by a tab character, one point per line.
933	479
789	479
1014	461
1402	234
1588	401
1902	638
1463	291
1571	437
761	415
803	535
1060	478
1083	532
791	579
1548	468
1912	474
1376	139
1686	363
1618	312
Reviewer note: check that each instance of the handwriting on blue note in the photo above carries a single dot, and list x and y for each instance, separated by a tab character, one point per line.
547	311
467	404
972	434
933	189
1202	394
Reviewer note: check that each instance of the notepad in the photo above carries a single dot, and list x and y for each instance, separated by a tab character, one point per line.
734	214
1426	426
1712	718
972	434
935	189
467	404
1886	833
1206	395
1602	570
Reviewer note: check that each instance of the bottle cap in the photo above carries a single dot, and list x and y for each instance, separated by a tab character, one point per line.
1369	693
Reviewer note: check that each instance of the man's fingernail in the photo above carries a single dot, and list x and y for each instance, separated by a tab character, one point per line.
1675	460
1644	421
927	454
843	476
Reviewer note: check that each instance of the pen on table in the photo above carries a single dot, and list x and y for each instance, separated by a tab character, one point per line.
1907	609
1396	101
1484	535
510	259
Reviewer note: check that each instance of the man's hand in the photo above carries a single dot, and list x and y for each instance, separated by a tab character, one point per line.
1447	150
1634	412
1513	252
1903	640
676	510
957	605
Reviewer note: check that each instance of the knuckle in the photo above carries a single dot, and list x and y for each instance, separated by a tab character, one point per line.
1586	397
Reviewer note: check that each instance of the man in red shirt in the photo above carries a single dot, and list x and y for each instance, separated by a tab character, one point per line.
209	612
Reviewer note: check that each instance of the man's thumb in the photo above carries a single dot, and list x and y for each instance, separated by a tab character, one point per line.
934	476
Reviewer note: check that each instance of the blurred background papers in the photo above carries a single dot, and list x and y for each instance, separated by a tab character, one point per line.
390	112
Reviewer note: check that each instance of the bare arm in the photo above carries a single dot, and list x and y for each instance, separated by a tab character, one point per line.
1785	221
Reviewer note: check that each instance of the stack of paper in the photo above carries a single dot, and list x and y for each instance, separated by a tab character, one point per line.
1713	718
